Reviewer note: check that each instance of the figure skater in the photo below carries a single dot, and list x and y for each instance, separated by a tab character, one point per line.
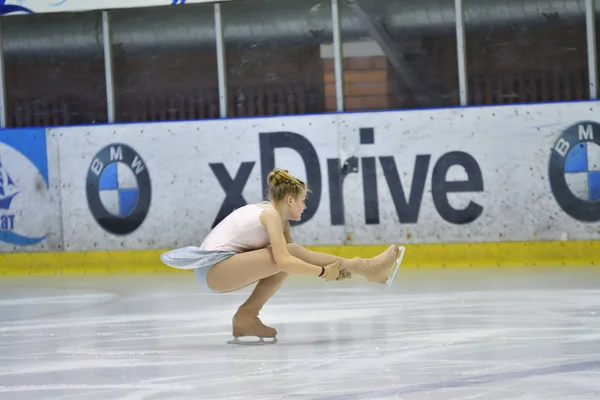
253	244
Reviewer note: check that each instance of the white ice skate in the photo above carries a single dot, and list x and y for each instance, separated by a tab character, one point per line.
254	342
395	267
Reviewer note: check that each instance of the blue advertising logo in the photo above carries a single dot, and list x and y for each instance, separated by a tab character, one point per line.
574	171
118	189
23	185
6	9
12	8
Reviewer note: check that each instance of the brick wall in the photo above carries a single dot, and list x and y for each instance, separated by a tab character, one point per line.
297	79
365	77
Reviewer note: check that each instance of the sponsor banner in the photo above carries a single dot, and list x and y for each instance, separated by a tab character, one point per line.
146	186
457	175
21	7
524	173
29	203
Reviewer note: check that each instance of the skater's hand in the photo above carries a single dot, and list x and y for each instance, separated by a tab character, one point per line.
334	272
344	274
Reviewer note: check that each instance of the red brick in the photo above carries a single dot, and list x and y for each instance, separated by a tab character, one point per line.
353	76
365	76
330	89
329	77
358	63
374	75
368	89
346	88
330	103
328	64
353	103
379	62
376	102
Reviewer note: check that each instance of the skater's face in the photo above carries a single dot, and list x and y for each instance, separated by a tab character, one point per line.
296	206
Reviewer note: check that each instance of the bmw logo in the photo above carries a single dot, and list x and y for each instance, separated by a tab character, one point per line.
575	171
118	189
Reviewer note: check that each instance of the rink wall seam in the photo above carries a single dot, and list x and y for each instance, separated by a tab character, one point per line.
457	255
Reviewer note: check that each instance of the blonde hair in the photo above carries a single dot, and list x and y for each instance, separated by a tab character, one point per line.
282	183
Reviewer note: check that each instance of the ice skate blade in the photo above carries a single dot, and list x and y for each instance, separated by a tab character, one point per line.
260	342
396	267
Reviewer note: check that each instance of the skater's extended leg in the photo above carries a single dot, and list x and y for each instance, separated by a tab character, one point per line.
373	269
246	321
244	269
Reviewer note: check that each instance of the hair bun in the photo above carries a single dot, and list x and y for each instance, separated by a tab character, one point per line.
272	178
278	176
282	183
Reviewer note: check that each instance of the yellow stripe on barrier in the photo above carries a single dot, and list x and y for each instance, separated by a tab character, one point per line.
510	254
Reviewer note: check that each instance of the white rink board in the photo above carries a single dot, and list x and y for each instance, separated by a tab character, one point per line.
186	194
30	214
511	145
512	148
19	7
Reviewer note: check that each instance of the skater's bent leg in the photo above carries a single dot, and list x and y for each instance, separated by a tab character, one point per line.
246	321
264	290
246	268
241	270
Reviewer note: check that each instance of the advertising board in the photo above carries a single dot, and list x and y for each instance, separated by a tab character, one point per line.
21	7
495	174
29	203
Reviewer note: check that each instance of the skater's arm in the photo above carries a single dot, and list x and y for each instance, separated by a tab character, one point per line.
284	260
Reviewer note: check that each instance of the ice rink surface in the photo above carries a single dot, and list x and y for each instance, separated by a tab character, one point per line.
438	334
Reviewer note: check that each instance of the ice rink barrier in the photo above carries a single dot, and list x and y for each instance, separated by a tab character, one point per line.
487	186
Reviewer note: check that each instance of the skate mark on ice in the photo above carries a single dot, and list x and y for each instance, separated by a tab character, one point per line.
475	380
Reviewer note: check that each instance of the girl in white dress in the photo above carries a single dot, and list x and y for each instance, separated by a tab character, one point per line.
253	244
